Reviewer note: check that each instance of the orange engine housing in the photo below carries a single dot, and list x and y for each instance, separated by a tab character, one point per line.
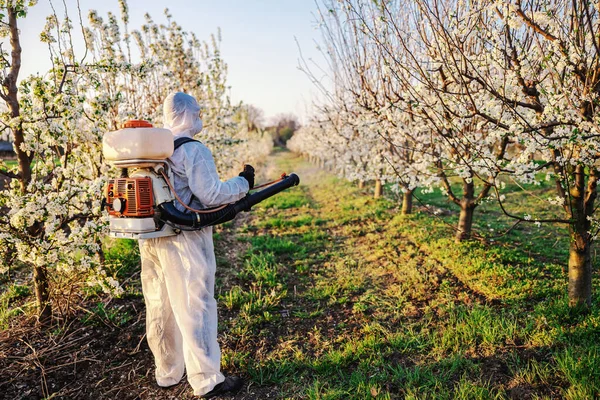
129	197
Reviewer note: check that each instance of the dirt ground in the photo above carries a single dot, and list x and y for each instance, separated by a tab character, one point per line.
99	360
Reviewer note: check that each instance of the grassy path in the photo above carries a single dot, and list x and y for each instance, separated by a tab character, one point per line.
339	297
325	293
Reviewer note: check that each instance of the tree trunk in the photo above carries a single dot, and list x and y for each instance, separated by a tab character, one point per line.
465	221
11	99
580	260
580	270
407	202
378	189
361	184
42	295
467	207
10	96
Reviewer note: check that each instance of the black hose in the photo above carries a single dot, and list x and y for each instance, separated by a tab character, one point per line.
168	212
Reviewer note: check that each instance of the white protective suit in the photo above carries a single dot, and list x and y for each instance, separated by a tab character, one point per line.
178	272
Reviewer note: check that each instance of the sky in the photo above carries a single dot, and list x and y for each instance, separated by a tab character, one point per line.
258	42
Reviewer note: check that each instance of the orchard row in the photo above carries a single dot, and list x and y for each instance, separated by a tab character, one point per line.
466	96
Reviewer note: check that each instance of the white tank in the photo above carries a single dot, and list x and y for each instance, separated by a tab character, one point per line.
138	140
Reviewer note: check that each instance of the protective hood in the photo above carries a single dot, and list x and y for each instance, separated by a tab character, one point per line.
182	114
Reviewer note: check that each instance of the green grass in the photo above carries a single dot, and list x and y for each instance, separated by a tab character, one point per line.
385	306
10	305
10	163
294	199
122	257
101	315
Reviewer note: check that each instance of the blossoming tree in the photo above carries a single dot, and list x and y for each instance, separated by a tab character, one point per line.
51	218
538	68
498	90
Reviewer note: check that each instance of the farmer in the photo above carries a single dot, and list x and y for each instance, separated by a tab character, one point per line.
178	272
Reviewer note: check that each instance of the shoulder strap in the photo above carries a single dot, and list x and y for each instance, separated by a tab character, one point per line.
180	141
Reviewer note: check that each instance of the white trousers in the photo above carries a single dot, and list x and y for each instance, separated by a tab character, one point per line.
178	279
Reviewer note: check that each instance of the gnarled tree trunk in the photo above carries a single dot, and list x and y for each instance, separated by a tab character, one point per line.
10	96
42	294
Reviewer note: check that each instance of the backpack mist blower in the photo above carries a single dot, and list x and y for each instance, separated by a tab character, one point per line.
141	202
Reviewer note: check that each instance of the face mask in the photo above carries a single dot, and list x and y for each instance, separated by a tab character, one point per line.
197	128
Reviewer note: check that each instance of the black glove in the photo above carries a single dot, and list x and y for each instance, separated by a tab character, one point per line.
248	174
